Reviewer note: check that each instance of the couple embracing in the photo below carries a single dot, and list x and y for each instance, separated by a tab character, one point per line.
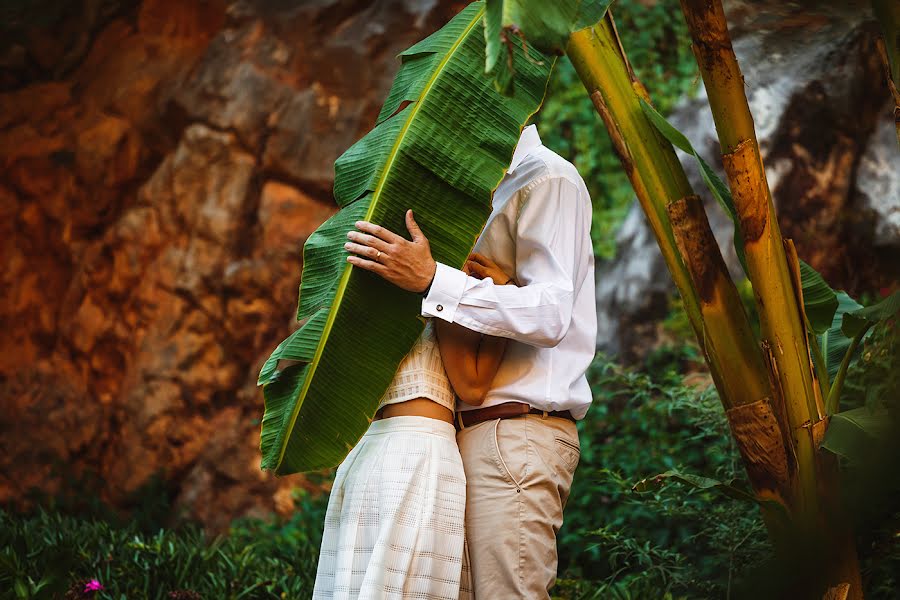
458	487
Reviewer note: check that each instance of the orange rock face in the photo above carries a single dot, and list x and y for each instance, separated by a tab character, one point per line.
160	170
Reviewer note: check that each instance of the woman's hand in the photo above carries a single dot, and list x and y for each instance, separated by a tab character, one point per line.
480	266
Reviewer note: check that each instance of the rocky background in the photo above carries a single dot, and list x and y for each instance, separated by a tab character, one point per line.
162	163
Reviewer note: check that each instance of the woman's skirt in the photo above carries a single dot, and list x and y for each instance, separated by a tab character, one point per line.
395	524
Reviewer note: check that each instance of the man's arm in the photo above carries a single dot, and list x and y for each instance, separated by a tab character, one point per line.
551	231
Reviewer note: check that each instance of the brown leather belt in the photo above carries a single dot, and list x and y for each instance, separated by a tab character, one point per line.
507	410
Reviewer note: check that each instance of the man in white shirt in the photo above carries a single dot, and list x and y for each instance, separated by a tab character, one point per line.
520	448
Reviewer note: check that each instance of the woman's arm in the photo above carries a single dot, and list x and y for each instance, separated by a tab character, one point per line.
472	359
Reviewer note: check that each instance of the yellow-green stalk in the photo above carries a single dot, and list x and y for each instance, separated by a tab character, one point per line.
682	230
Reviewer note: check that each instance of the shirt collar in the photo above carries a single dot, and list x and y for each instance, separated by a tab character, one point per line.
529	141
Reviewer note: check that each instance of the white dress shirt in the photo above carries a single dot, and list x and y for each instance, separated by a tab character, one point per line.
538	232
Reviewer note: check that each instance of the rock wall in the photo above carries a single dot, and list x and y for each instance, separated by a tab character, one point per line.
821	107
161	165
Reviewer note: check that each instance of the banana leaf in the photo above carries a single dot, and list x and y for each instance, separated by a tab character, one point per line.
544	25
856	434
820	302
440	146
834	342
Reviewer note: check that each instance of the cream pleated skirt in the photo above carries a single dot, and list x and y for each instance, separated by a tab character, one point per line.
395	525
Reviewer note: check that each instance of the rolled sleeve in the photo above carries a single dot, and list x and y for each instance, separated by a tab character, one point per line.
446	291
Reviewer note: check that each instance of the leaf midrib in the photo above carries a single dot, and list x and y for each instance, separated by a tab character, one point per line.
345	276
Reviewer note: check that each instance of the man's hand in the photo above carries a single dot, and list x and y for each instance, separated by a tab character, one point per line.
406	264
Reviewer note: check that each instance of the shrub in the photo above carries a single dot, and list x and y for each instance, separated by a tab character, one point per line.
47	554
684	542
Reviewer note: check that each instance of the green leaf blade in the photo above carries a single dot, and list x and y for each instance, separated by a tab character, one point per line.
854	434
859	320
441	154
820	302
833	342
543	25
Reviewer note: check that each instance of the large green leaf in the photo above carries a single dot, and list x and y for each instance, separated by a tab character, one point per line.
819	300
858	321
833	342
538	23
441	144
856	324
855	434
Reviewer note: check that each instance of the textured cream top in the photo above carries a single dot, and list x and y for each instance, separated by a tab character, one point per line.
421	374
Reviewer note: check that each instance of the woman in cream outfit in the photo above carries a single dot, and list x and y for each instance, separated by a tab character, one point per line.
394	528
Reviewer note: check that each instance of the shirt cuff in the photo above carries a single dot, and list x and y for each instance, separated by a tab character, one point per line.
445	293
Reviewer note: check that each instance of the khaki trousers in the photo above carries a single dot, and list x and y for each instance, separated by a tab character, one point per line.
518	472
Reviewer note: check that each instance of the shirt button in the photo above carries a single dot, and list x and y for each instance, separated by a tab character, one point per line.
440	307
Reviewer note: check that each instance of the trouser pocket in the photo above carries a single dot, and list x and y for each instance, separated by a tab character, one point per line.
511	452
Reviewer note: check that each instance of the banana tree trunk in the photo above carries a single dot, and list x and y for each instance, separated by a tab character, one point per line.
888	14
682	230
783	329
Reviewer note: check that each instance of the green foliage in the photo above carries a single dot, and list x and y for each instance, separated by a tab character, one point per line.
688	542
542	25
683	542
43	555
655	37
869	484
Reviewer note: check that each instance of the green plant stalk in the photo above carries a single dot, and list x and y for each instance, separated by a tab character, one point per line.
887	12
780	316
832	404
682	231
768	269
654	173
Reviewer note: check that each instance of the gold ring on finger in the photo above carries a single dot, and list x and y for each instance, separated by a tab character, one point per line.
378	256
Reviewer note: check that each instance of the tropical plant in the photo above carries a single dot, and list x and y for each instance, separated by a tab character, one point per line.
888	14
776	390
353	322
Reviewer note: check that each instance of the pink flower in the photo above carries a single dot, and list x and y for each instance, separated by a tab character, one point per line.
93	586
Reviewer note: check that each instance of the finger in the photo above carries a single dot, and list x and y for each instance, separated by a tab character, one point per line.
482	259
380	232
414	231
479	271
467	268
367	240
368	265
364	251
